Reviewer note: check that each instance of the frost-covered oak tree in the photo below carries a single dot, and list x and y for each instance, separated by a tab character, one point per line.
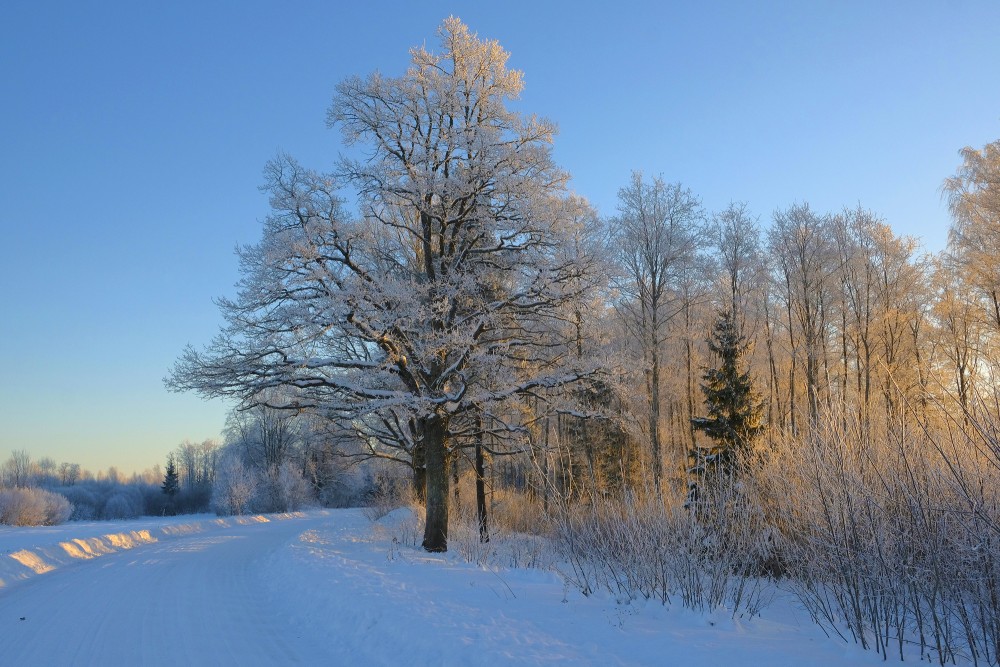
434	303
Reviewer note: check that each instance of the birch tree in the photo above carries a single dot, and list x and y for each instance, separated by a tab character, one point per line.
974	238
802	248
974	199
735	233
880	284
959	330
655	234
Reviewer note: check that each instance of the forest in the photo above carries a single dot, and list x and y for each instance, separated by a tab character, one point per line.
689	403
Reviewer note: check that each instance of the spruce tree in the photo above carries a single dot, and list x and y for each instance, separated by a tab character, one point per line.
734	413
171	483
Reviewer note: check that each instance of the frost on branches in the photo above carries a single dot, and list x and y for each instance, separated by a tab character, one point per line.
440	304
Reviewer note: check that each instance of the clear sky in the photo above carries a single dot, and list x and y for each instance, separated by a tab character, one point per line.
133	137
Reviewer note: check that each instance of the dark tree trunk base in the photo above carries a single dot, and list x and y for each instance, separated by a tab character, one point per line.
435	451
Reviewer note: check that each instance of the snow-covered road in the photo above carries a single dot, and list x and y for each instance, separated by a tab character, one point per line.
331	588
196	600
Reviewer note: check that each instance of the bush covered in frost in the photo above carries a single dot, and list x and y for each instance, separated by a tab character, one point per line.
33	507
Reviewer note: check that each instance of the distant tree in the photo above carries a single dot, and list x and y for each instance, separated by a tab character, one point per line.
878	300
209	458
16	472
655	240
802	248
149	476
269	443
974	199
171	483
186	456
266	435
735	234
235	486
960	329
734	412
114	476
69	473
45	472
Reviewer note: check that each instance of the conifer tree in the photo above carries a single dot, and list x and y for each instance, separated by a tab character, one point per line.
734	412
171	483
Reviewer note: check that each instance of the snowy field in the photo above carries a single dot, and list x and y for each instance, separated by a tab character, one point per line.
328	587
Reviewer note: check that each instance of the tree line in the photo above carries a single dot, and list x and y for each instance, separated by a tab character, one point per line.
45	492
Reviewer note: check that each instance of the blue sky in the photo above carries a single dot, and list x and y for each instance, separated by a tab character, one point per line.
134	136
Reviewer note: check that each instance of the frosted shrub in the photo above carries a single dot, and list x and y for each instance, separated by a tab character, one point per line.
57	509
91	500
84	501
124	503
705	557
293	489
33	507
234	487
341	490
514	511
408	529
388	491
891	537
505	548
279	489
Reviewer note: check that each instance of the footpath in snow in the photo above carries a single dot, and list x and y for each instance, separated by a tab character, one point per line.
331	588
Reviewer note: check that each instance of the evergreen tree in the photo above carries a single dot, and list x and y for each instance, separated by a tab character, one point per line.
734	413
171	483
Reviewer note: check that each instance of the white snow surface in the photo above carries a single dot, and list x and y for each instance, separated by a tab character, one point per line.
329	587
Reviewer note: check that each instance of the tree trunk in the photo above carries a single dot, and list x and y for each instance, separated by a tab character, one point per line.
545	467
419	472
454	483
654	421
794	355
484	533
844	367
436	454
774	409
689	356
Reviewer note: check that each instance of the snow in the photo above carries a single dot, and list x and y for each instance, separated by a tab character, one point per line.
330	587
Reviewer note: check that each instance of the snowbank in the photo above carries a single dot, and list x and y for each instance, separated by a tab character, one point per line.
29	552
